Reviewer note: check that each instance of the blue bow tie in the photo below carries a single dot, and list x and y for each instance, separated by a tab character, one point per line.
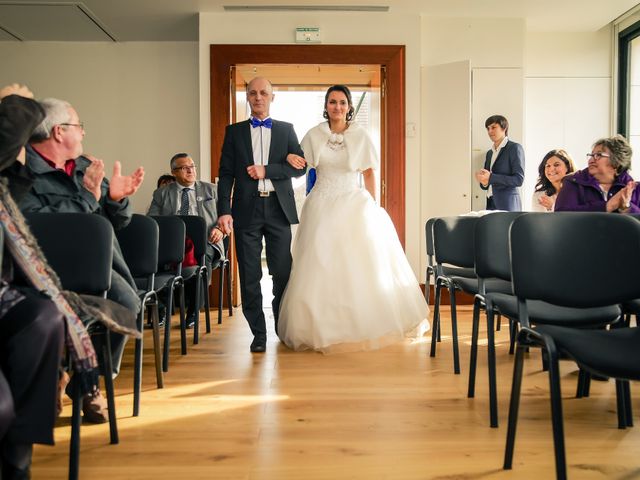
266	123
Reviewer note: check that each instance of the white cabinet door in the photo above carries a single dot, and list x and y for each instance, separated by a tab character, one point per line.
446	134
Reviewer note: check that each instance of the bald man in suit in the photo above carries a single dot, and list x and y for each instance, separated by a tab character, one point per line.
254	166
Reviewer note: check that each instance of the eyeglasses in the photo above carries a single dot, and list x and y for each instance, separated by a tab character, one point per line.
186	168
597	155
81	125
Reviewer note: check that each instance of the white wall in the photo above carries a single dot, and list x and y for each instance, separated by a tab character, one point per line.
337	28
138	101
568	95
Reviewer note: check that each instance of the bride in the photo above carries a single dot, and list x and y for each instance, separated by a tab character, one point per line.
351	287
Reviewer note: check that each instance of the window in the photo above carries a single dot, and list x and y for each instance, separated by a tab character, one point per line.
629	89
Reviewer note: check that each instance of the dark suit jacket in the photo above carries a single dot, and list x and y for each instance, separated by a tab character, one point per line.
507	174
237	155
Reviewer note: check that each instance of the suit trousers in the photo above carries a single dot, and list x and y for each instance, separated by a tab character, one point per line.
31	341
269	222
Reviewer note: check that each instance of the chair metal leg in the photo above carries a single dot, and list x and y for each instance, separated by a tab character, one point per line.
207	305
514	404
454	330
435	331
622	410
584	383
230	306
427	285
156	344
473	356
108	385
513	333
137	363
183	321
627	403
167	328
498	323
556	412
491	367
198	289
74	445
220	293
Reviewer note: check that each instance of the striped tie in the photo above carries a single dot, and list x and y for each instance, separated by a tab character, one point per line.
184	202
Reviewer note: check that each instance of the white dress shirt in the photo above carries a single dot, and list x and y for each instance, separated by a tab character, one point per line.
260	143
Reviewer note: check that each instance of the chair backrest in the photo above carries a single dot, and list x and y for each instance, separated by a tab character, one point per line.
576	259
453	240
171	241
139	243
79	248
491	250
428	233
196	228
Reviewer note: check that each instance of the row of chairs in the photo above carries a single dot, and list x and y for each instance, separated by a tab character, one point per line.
544	272
149	245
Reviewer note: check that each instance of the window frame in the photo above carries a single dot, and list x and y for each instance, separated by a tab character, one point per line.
625	37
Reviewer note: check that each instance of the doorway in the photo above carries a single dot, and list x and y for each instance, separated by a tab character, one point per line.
390	59
299	99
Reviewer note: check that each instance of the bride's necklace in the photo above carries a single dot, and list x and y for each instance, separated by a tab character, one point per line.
336	140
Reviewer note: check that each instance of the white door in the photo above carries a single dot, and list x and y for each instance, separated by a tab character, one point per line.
446	93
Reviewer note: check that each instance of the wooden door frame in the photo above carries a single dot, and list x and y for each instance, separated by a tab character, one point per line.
392	57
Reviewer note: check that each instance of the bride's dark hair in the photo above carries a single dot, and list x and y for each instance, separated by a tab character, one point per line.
339	88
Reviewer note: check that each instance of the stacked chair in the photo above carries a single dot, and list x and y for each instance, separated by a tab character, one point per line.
172	233
196	229
88	272
223	264
492	260
139	243
578	261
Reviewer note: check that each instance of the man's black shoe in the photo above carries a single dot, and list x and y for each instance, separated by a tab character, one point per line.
191	320
259	345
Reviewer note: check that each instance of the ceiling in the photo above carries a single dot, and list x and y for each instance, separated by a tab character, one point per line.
177	20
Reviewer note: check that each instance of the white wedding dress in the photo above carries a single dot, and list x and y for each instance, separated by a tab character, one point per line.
351	286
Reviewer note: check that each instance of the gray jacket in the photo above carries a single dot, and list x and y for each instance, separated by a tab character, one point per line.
165	202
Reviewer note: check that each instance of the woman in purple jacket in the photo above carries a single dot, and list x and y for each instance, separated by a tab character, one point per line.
605	185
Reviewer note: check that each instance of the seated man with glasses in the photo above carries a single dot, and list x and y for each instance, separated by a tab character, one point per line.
188	196
65	181
605	185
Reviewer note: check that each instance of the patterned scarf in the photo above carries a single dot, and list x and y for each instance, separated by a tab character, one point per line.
26	253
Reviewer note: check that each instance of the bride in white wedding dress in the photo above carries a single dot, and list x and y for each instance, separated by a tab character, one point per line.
351	286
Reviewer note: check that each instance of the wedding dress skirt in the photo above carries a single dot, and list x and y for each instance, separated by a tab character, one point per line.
351	286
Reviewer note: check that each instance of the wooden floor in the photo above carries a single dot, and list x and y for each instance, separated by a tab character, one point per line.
390	414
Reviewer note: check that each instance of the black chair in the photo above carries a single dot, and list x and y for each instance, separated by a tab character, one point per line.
79	248
224	264
453	247
492	260
196	229
169	277
139	243
601	269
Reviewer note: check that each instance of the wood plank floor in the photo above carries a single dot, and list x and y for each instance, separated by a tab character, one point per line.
395	413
